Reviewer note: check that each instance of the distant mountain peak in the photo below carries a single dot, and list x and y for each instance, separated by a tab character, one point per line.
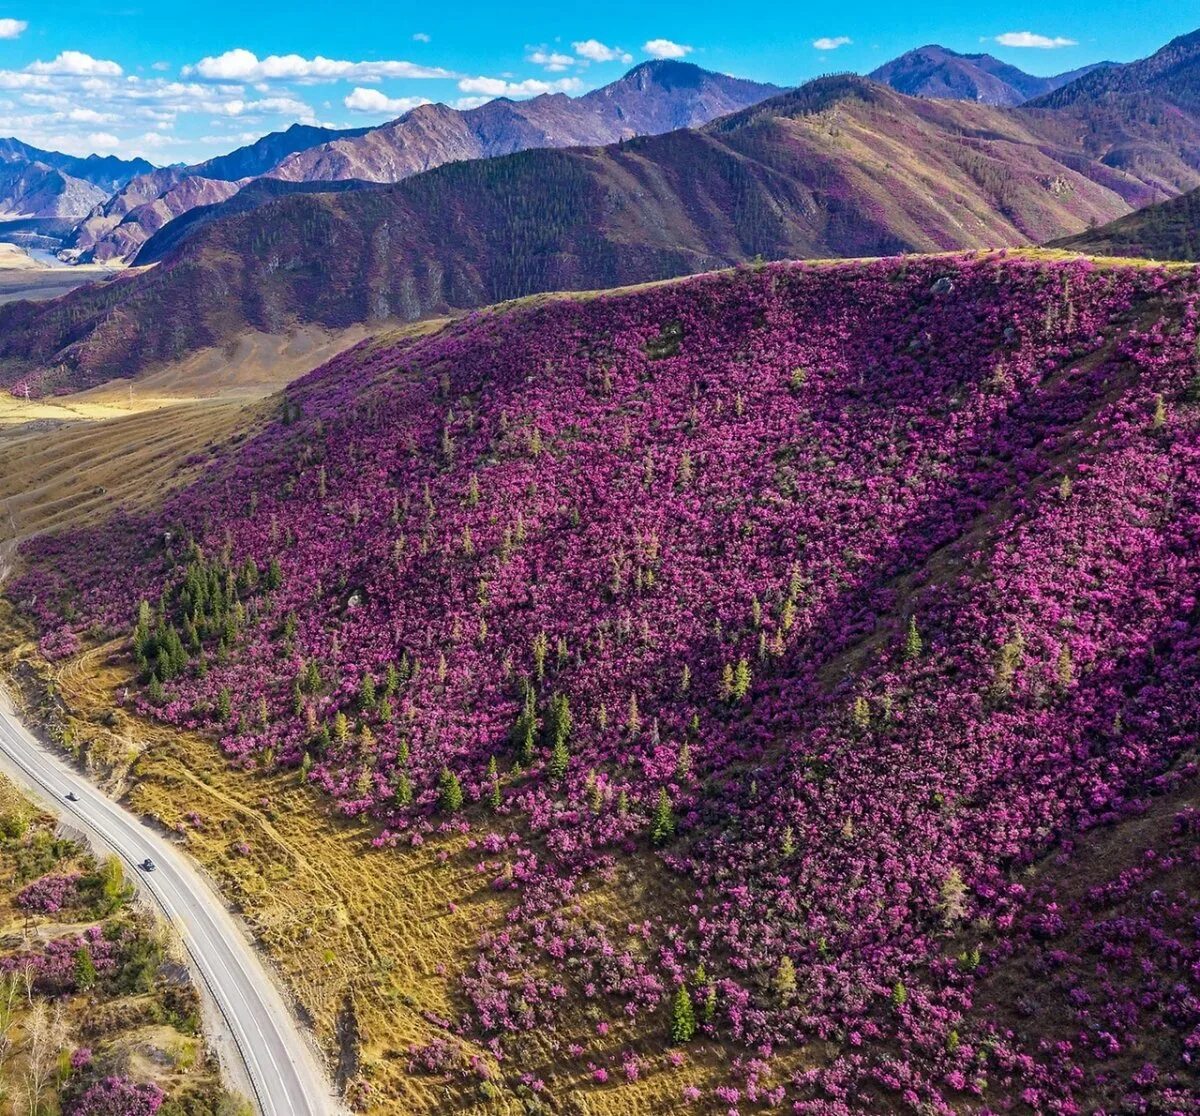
944	74
37	183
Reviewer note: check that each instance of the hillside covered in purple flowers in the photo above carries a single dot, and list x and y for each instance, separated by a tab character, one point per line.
856	604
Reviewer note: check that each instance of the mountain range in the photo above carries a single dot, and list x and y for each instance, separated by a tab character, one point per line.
654	97
843	166
935	71
118	226
37	183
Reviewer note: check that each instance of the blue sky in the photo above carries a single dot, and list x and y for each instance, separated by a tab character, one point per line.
185	81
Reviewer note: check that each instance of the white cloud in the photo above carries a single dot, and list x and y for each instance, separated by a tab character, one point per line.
91	116
244	65
551	60
532	87
74	63
104	141
465	103
827	42
270	106
1029	39
373	101
595	51
152	140
664	48
421	37
12	28
161	67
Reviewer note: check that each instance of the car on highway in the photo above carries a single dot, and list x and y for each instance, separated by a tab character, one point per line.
148	865
72	796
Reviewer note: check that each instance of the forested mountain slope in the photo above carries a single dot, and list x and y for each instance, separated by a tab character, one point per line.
845	614
841	167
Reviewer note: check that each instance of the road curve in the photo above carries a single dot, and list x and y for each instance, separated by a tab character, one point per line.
284	1072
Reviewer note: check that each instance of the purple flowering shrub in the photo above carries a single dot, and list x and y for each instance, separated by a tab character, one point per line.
56	966
51	894
851	591
117	1096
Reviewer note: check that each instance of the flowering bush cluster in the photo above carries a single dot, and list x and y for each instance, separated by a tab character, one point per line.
117	1096
70	964
852	591
51	893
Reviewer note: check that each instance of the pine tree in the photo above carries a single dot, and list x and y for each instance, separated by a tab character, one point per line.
450	795
224	705
634	721
402	789
540	646
366	692
85	970
1159	419
560	721
662	827
1007	663
785	979
741	680
524	733
913	644
683	1017
341	728
560	760
788	845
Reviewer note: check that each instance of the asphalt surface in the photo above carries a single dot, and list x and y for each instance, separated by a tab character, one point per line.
283	1071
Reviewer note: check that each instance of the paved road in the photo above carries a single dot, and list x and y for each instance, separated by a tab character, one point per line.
284	1073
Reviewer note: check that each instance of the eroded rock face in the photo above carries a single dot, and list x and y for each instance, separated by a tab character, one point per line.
116	230
38	190
37	183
